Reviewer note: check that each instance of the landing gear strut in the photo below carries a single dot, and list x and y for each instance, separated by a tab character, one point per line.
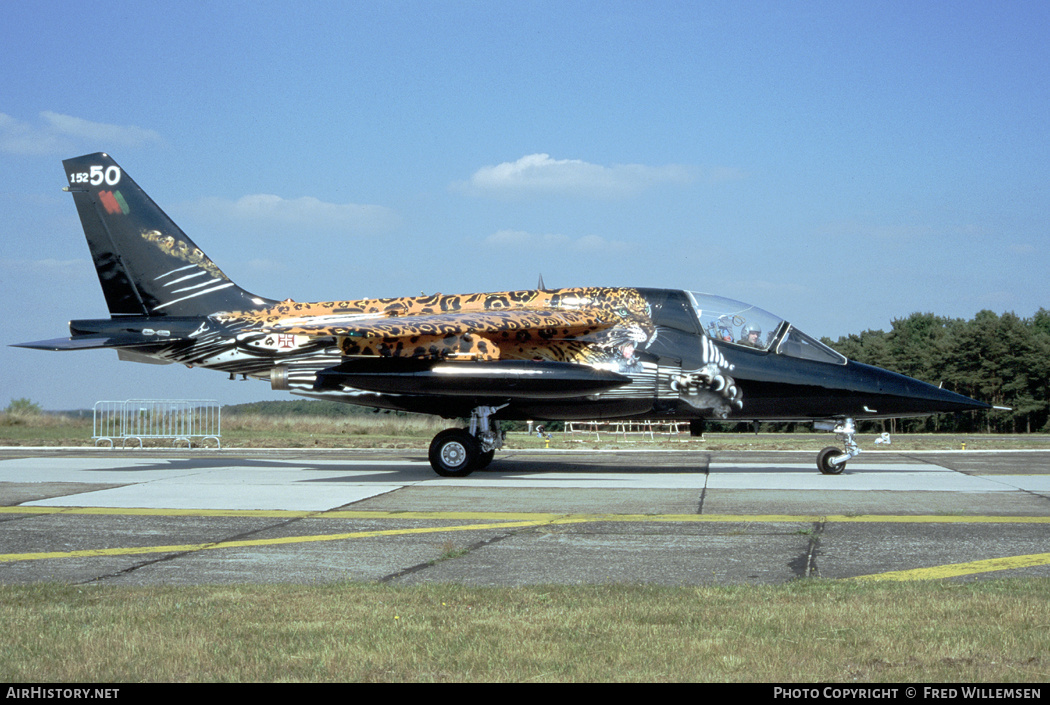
457	452
832	461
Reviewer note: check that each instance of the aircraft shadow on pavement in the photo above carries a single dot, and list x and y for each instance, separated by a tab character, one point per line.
506	468
416	467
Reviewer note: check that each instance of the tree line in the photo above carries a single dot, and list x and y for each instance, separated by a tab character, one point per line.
1000	359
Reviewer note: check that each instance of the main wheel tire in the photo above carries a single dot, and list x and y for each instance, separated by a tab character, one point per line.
484	459
824	463
454	453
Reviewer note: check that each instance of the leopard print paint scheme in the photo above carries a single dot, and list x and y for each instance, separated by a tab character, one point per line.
476	326
181	250
431	347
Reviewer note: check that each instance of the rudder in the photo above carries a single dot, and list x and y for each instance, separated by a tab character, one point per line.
146	265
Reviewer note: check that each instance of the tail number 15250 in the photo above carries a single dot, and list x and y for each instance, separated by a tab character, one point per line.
96	176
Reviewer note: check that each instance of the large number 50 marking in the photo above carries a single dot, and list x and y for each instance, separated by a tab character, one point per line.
111	175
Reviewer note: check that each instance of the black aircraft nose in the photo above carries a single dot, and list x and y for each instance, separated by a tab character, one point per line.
891	394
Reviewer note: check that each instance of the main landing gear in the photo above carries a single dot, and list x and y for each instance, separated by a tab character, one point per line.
832	461
457	452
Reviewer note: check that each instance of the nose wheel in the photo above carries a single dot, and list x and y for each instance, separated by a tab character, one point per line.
824	463
831	460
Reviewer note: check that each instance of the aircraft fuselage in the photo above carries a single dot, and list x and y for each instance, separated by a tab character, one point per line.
647	365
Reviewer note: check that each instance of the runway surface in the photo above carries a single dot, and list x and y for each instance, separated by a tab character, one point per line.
534	517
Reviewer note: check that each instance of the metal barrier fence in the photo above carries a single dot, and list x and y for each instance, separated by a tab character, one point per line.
650	428
140	419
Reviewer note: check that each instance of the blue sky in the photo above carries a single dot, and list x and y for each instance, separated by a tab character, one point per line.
840	164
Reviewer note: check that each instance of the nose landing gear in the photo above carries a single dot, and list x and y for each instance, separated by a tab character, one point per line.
832	461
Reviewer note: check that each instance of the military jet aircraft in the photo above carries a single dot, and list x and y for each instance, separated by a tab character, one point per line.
560	354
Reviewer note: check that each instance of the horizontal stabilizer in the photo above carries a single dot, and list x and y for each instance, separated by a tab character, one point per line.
92	342
507	379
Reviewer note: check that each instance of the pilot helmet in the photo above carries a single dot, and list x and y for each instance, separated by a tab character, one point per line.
751	328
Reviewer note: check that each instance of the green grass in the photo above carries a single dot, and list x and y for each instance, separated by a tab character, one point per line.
250	430
990	631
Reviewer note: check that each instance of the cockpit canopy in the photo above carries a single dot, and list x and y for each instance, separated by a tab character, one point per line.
742	324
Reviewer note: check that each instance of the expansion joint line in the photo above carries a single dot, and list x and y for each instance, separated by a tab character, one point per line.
459	554
523	526
703	490
813	550
193	549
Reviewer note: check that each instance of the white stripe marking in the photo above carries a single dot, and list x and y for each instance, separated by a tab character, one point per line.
196	286
193	296
173	282
180	269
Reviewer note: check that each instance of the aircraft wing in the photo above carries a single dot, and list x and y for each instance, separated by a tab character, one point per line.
458	353
549	324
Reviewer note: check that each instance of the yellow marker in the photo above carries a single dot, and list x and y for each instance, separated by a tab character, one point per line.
954	570
513	520
187	548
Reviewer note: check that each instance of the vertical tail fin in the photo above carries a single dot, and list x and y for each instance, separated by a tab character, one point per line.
146	265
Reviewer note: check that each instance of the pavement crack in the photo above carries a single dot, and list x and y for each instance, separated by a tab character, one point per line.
133	568
458	554
805	565
172	556
707	478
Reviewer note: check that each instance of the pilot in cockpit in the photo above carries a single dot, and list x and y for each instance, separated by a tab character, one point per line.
750	335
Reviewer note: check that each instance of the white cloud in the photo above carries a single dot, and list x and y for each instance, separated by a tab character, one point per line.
269	212
123	135
57	133
540	174
57	268
521	240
